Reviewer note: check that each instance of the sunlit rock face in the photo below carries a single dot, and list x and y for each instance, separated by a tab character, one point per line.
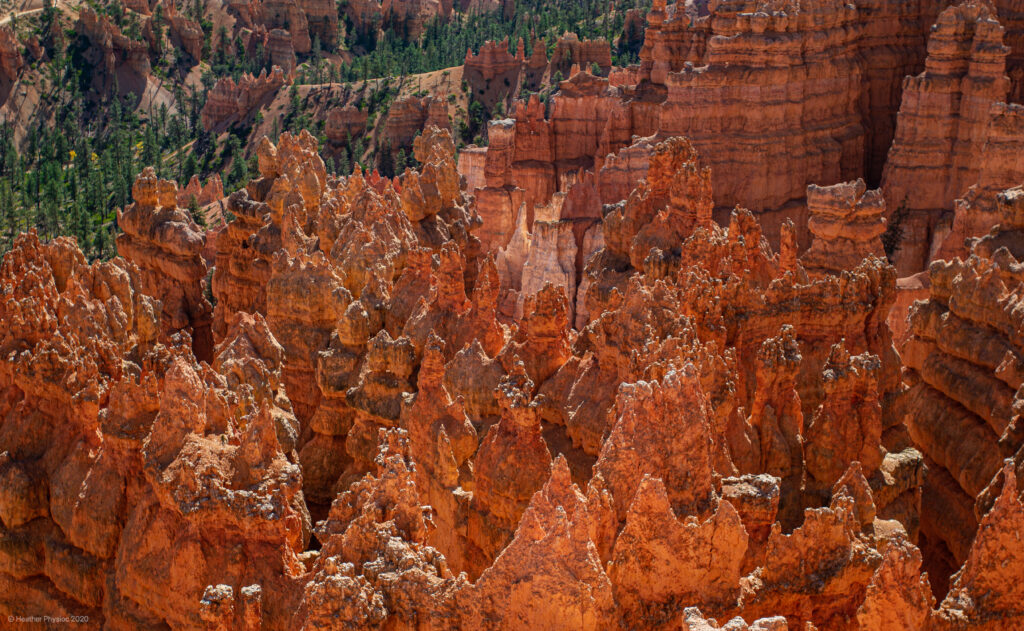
628	366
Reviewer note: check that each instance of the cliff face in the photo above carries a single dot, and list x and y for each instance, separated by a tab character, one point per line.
231	101
110	47
166	245
781	153
1000	165
302	21
410	115
187	32
409	18
344	123
710	72
11	60
937	151
964	335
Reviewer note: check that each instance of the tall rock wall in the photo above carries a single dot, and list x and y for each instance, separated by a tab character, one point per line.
1001	165
167	245
964	360
936	153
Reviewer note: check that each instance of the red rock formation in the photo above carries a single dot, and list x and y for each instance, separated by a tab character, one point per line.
155	461
943	118
1001	166
569	50
205	194
365	15
281	48
689	83
344	123
985	593
964	365
847	426
724	429
694	621
110	45
299	21
188	32
640	444
847	224
412	16
229	102
660	561
494	74
551	570
471	166
1011	17
11	60
411	115
322	18
166	244
823	144
512	463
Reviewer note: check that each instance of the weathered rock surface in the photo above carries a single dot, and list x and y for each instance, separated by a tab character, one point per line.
167	245
188	32
409	116
964	370
533	405
936	154
344	123
229	101
11	60
110	47
847	225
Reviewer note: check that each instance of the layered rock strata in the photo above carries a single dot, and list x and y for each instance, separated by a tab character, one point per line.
230	101
167	245
847	225
963	364
724	431
936	154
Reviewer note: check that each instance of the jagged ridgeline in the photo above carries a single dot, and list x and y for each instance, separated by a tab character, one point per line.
506	316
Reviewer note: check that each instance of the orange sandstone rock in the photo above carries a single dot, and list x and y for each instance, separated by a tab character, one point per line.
847	224
229	101
11	60
164	241
942	124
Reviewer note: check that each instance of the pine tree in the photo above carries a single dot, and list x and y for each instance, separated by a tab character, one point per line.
385	161
195	211
401	162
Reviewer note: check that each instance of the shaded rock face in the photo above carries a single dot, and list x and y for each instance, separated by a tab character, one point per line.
229	101
297	22
963	368
166	244
944	121
410	115
1001	165
110	47
364	443
711	72
410	18
188	32
11	60
344	123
